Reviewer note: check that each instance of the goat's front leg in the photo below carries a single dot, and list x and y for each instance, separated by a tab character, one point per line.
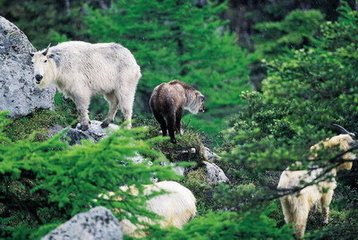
82	104
325	202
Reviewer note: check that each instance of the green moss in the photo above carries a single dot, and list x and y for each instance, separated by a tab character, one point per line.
38	123
178	152
195	180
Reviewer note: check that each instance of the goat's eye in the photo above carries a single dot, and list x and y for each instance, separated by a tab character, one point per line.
45	61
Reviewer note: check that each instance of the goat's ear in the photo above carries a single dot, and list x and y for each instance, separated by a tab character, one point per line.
32	54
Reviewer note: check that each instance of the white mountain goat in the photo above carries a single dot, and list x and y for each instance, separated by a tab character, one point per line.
176	206
81	70
296	206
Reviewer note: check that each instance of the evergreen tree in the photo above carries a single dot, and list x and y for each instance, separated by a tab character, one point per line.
306	90
177	40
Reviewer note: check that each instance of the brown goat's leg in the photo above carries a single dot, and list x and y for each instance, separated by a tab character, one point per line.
162	123
179	115
171	127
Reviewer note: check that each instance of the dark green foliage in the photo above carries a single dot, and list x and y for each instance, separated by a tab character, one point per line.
295	31
306	90
311	82
44	21
229	225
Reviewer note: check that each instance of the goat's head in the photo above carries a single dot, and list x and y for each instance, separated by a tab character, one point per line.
344	141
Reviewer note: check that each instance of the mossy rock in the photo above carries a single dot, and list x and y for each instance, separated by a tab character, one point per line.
38	123
196	181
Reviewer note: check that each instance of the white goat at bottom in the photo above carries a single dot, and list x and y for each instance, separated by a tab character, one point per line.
175	207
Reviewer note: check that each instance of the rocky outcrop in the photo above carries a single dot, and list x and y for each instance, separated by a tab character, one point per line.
215	174
94	132
96	224
18	93
209	155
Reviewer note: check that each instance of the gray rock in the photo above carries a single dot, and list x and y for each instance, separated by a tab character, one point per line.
53	130
209	155
179	170
215	174
94	132
18	93
98	223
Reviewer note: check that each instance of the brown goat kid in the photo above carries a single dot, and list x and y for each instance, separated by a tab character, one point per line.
168	102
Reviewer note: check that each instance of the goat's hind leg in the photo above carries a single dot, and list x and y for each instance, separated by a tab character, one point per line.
163	124
171	127
126	101
179	115
113	108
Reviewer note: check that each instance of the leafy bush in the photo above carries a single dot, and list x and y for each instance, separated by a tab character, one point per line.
49	181
228	225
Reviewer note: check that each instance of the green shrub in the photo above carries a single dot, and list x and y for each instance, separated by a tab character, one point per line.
228	225
49	181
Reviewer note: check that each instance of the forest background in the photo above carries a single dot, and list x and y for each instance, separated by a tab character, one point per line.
276	75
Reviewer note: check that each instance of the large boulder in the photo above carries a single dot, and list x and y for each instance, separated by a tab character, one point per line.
96	224
18	93
215	174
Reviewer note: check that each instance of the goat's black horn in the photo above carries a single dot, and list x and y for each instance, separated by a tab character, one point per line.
343	130
45	52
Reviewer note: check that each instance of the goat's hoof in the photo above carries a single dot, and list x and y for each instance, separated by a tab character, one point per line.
104	124
83	127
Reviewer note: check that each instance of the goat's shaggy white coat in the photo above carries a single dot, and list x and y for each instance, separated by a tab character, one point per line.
81	70
296	206
175	207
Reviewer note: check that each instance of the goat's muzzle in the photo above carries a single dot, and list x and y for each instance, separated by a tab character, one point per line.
38	78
